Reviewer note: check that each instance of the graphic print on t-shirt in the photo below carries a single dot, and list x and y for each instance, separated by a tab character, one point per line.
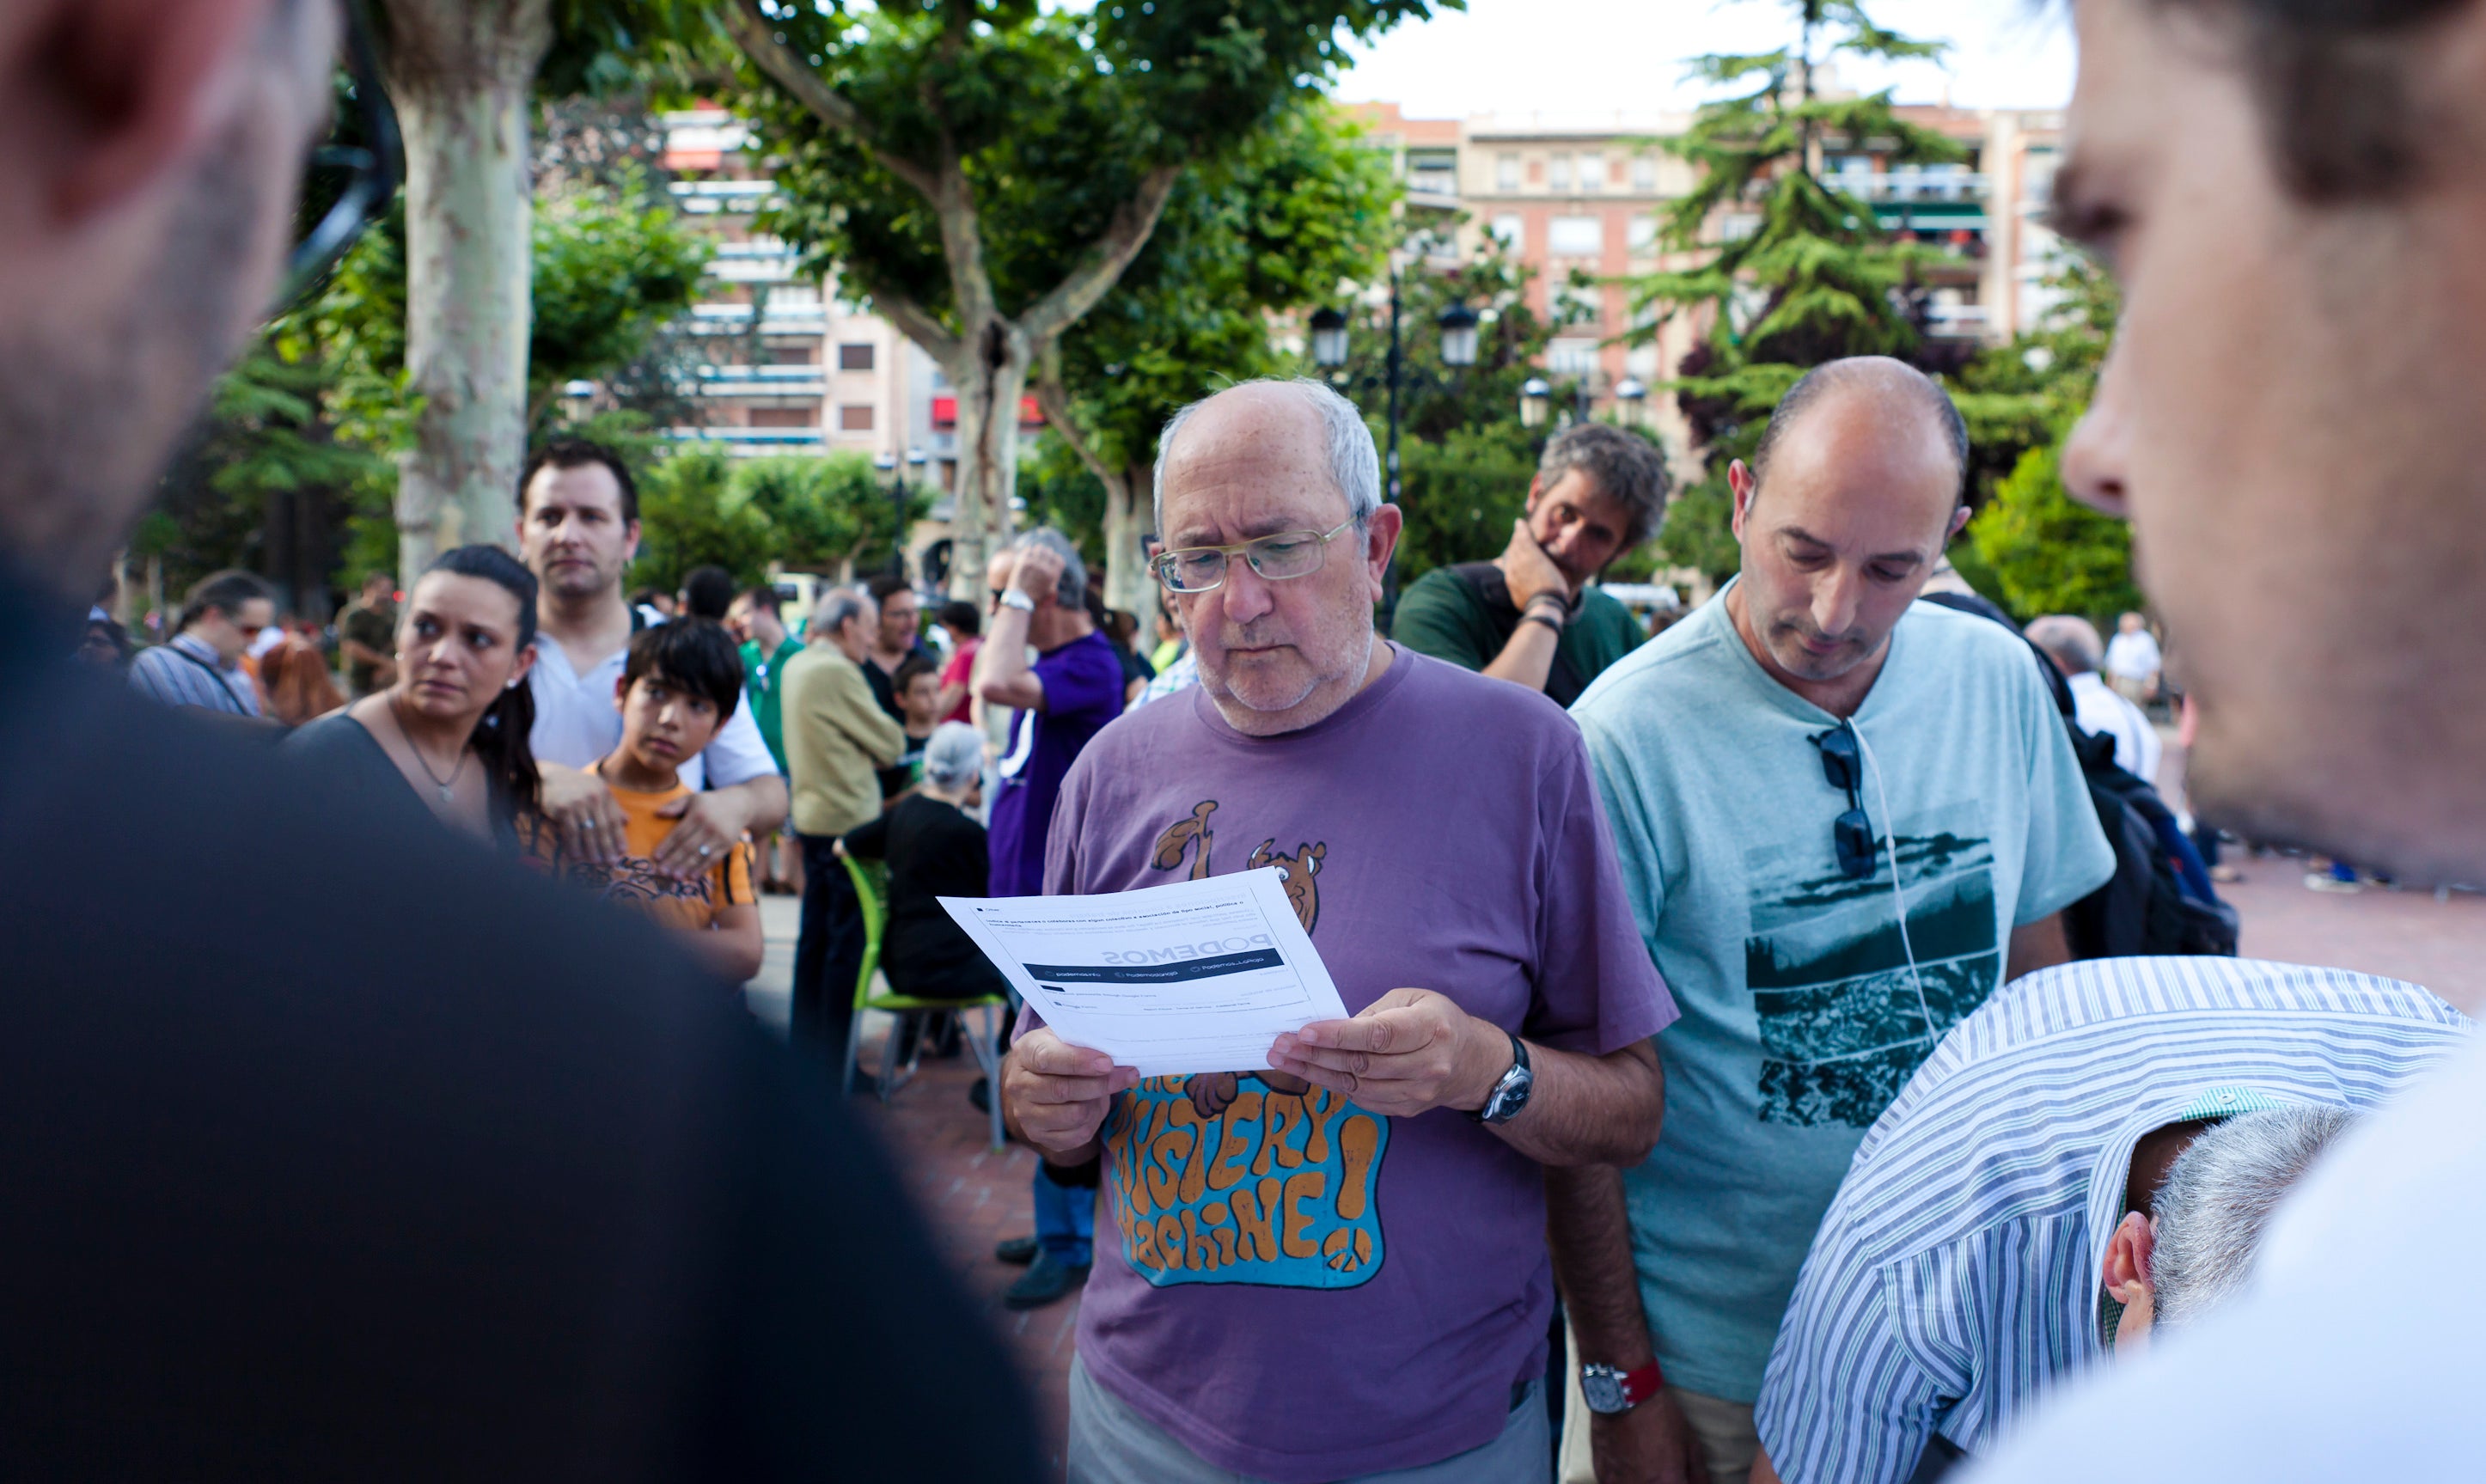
1843	1024
1247	1176
1272	1188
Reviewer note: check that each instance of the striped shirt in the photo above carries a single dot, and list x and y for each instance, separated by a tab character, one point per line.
185	671
1957	1275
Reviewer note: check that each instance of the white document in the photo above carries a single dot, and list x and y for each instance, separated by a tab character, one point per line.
1195	976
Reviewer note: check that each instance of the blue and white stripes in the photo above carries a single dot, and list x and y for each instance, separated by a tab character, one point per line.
1955	1276
186	672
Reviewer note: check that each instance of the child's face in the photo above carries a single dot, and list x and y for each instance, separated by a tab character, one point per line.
664	724
921	699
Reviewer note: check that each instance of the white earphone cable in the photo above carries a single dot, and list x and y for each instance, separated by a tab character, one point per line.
1890	848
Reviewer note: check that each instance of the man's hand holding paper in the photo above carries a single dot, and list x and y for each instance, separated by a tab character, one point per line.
1192	977
1061	1091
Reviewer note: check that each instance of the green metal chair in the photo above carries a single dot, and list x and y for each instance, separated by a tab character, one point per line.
871	880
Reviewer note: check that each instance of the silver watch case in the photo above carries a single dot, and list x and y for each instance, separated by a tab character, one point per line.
1602	1387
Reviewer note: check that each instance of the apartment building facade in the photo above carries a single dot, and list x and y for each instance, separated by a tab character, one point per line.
786	364
1580	200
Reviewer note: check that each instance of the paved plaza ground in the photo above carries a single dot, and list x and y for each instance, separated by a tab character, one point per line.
973	1197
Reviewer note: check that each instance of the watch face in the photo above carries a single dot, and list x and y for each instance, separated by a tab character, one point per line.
1601	1389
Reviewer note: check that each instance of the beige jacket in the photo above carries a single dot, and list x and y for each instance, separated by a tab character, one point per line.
836	735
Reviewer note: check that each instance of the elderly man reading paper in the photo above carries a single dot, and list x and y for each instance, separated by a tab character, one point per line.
1336	1266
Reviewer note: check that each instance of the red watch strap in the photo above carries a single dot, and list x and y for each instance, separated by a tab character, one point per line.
1642	1384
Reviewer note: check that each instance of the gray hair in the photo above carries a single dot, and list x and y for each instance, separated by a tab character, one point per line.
2218	1197
955	757
2073	642
1354	464
1071	592
1625	467
835	608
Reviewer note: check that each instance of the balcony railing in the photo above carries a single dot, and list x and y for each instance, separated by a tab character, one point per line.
1902	185
773	437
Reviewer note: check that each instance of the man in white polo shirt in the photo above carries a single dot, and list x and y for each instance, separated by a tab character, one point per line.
578	528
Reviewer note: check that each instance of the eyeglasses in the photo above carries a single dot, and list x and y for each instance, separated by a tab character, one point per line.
1274	558
369	169
1851	834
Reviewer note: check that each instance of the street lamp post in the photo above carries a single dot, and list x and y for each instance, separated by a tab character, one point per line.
887	463
1458	328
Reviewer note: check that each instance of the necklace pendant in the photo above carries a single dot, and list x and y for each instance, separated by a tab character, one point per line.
448	795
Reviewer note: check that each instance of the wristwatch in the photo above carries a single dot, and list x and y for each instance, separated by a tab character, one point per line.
1510	1094
1012	597
1608	1392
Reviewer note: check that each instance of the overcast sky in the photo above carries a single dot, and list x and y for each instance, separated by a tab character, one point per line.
1578	57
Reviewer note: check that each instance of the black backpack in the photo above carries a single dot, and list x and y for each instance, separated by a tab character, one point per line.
2144	908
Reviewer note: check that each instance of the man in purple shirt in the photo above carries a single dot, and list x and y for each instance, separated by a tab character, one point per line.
1336	1266
1066	697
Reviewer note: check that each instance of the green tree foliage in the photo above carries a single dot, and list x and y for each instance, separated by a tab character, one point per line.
1815	278
819	513
1464	459
983	171
1300	206
691	514
263	480
2048	552
2042	551
612	268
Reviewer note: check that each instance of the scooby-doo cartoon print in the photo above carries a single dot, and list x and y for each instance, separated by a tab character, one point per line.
1246	1178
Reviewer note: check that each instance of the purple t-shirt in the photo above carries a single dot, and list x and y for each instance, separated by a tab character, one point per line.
1083	691
1295	1287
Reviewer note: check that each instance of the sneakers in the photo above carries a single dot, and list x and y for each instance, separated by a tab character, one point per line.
1045	1283
1017	1251
2324	881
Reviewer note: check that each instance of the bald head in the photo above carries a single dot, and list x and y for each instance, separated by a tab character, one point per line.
1304	425
1875	388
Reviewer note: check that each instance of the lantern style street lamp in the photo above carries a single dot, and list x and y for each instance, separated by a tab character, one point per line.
1535	401
1458	324
1631	401
1329	339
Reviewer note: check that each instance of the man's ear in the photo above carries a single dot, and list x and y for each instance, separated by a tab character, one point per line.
125	90
1740	481
630	545
2126	1276
1958	520
1380	539
620	694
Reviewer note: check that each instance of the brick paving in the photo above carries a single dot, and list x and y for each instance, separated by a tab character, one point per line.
971	1196
974	1198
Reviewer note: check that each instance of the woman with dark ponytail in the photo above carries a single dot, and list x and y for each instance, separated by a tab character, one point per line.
454	728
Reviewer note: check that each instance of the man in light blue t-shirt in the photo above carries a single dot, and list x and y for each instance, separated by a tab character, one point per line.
1764	763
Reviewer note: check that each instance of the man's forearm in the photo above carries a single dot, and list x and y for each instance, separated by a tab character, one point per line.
1588	1229
1001	664
1588	1109
763	801
2040	944
1528	660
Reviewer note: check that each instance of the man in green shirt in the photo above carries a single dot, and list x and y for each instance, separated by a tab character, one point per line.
1532	616
766	647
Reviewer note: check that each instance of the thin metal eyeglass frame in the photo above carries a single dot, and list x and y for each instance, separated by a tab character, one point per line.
373	168
1162	564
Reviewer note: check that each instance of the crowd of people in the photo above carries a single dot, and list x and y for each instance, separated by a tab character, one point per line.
1795	994
1739	943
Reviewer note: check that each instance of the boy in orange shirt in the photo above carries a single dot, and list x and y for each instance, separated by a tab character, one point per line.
679	684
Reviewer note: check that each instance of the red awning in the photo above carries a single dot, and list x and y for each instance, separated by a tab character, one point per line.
944	413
